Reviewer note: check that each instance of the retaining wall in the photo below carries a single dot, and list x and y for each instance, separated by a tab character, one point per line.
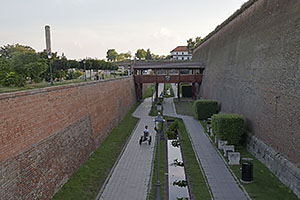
47	134
252	67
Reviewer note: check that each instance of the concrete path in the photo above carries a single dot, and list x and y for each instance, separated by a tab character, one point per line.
130	178
220	180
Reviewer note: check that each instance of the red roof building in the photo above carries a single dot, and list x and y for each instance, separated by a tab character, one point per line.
181	53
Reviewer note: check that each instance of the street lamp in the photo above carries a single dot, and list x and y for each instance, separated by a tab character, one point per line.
51	76
159	130
84	66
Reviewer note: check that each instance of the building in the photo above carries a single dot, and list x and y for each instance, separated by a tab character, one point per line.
181	53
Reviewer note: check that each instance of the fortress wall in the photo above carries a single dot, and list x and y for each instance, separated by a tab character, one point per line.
47	134
252	64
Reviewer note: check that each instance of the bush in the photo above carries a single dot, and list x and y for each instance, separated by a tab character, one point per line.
9	79
160	101
187	91
73	75
204	109
229	127
172	130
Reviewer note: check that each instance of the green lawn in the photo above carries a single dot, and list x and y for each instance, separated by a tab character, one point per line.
161	171
266	185
149	92
184	107
87	181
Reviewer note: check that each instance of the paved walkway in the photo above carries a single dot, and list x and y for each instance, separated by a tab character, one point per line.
131	177
219	178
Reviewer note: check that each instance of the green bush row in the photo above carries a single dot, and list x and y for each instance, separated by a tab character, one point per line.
204	109
229	127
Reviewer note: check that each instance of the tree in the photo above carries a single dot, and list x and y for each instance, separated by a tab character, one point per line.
140	53
28	64
111	55
148	55
7	51
192	44
127	55
73	64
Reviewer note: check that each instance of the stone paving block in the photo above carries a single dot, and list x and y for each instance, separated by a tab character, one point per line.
234	158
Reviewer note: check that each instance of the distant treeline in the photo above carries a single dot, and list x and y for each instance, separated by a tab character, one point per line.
21	64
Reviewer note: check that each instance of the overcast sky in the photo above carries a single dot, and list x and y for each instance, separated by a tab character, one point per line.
88	28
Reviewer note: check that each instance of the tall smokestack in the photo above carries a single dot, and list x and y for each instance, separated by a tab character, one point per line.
48	38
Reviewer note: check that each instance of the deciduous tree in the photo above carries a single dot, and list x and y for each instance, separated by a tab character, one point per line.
111	55
140	53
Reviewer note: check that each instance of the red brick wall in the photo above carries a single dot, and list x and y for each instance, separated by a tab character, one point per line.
82	114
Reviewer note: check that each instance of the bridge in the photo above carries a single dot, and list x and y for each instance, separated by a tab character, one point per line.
167	72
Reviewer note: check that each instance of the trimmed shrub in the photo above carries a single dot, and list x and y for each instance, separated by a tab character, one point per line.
187	91
172	130
204	109
229	127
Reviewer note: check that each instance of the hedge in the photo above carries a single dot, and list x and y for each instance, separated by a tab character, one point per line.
229	127
204	109
187	91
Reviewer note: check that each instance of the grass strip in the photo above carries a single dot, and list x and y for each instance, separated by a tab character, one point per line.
89	178
161	171
266	186
184	107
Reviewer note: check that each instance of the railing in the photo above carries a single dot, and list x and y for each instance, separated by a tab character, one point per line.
188	78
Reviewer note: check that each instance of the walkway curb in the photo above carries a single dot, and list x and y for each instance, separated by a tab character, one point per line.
117	161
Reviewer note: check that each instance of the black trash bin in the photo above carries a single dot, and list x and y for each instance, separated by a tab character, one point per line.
247	169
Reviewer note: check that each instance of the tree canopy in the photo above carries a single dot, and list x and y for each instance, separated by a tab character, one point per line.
140	53
7	51
20	64
192	44
111	55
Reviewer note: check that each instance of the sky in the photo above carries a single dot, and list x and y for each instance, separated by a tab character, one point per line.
88	28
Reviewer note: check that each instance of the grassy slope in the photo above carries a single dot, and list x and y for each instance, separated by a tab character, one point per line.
86	182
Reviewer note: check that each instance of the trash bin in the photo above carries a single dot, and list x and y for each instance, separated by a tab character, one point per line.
247	169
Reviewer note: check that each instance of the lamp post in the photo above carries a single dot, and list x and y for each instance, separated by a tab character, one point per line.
84	67
51	76
159	130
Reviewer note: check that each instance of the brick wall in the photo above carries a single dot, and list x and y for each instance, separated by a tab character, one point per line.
46	134
252	66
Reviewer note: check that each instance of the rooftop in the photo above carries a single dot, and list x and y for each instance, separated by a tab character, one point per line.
180	48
